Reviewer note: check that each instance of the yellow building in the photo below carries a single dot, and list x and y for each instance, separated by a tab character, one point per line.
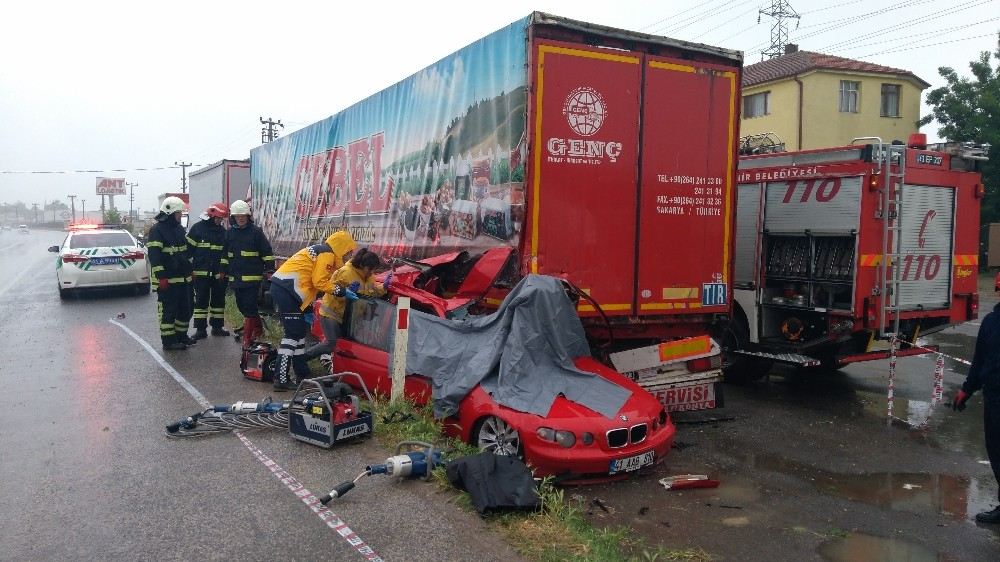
811	100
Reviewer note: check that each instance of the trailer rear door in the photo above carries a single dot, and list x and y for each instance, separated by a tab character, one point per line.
926	246
584	170
686	193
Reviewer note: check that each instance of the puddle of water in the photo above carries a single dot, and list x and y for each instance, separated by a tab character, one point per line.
858	547
937	494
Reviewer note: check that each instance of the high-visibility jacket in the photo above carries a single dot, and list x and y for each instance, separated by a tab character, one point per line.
333	306
206	240
247	256
169	256
310	270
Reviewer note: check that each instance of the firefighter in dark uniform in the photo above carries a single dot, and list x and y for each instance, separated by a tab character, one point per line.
170	263
247	262
206	239
985	374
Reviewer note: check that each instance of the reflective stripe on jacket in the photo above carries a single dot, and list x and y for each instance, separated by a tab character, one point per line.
310	270
168	251
333	307
206	240
247	256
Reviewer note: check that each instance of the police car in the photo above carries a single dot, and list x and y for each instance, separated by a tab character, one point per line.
95	256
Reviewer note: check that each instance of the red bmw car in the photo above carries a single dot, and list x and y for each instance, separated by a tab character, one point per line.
572	442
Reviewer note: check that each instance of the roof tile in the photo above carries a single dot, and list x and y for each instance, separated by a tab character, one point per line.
799	62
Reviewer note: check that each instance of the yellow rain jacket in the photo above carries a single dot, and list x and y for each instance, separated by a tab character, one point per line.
311	269
333	307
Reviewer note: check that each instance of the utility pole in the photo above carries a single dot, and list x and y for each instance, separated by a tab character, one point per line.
184	180
268	133
34	207
83	212
131	198
780	10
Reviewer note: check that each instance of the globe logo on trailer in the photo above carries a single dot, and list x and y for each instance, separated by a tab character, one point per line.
585	111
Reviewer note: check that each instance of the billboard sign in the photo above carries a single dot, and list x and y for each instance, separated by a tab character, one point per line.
111	186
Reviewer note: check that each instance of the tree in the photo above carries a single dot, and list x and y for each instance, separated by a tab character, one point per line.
56	205
969	110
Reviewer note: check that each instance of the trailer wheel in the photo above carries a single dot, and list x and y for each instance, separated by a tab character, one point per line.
740	369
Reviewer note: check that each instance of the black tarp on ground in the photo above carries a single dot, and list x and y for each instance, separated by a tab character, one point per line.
494	482
522	354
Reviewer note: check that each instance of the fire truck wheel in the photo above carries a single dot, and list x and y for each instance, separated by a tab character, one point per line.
740	369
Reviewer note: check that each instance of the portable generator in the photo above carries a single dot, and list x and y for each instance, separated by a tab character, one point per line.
331	411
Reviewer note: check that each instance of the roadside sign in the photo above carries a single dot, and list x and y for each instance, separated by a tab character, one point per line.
111	186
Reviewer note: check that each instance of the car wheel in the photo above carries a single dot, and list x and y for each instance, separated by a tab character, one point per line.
142	288
493	435
63	293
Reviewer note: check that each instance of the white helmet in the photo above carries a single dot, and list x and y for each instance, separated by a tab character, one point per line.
171	205
239	207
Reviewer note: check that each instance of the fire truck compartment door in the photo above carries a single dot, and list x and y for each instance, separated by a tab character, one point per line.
748	227
829	205
686	187
927	227
586	145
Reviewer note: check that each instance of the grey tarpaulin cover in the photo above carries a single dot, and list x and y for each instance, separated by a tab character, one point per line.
522	354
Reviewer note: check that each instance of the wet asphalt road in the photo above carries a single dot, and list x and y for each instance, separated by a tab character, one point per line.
809	469
86	472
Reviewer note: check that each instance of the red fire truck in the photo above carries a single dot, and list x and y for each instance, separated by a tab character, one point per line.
839	250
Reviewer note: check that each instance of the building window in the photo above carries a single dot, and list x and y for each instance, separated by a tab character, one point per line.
890	100
756	105
849	93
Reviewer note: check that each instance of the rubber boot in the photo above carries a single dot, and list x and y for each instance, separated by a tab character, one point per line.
200	334
283	374
252	329
171	343
186	339
220	331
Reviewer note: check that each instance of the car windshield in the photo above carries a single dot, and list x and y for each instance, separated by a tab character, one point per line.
100	240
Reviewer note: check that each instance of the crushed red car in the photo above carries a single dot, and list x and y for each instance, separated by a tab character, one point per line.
572	441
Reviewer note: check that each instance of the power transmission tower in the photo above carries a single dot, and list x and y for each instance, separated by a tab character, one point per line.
780	10
268	133
184	180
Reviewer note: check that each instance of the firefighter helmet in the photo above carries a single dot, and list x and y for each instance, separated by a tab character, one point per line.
217	210
172	205
239	207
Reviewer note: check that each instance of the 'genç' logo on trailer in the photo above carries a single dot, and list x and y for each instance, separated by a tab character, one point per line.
585	111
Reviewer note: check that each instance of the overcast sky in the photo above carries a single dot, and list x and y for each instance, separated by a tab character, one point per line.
105	85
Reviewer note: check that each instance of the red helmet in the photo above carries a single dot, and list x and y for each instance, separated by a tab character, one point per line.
218	210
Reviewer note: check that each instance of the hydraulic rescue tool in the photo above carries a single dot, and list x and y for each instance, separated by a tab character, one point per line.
323	411
258	361
416	463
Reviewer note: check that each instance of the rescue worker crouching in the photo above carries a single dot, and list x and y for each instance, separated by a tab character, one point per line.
171	274
248	260
293	289
207	238
354	279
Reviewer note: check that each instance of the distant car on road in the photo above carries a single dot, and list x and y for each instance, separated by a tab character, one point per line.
22	229
95	256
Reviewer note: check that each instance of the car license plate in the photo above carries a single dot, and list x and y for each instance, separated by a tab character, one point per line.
104	260
631	463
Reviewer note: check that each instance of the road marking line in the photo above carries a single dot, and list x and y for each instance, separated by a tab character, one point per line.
13	282
328	517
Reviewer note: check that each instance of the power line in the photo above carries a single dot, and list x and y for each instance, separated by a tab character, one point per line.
905	24
93	171
698	18
684	22
932	33
725	23
832	7
926	45
658	22
780	11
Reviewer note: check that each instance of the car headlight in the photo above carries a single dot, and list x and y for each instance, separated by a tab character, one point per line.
562	438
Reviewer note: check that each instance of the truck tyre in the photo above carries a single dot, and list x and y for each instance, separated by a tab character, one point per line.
740	369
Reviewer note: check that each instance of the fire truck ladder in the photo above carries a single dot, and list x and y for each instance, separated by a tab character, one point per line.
890	212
